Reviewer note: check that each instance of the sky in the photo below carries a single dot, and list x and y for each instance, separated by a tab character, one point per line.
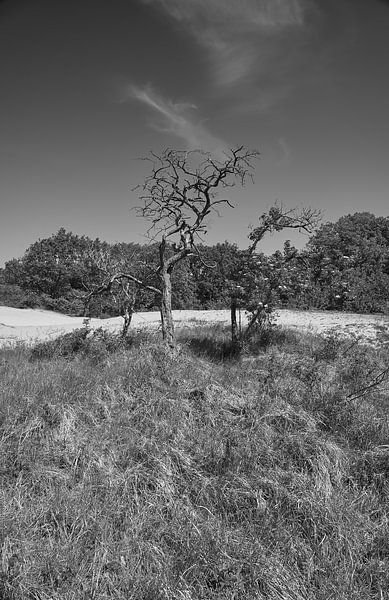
88	87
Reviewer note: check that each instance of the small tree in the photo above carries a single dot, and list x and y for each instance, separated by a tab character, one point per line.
253	290
112	278
177	199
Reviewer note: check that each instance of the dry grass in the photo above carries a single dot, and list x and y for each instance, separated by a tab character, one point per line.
132	473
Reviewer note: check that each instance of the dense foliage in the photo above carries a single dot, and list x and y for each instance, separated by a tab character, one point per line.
344	266
348	264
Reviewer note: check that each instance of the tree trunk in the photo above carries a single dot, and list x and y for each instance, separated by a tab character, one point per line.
255	319
234	324
166	310
127	316
251	323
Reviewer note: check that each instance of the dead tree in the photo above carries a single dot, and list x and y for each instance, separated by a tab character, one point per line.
177	199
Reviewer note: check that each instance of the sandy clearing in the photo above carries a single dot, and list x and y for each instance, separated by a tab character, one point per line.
29	325
17	317
366	327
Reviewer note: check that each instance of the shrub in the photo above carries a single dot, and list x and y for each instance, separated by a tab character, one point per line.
71	305
97	345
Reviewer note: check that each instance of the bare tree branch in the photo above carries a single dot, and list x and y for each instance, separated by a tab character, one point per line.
375	382
119	277
182	188
177	198
277	219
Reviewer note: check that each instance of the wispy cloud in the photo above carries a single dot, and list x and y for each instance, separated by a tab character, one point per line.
175	119
285	151
237	14
254	50
238	34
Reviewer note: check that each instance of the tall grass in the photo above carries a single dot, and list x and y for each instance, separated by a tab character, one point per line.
129	472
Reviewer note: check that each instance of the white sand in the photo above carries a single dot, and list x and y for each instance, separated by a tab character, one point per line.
29	325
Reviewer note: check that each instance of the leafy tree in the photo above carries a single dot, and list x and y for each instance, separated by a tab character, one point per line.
184	290
349	264
58	271
52	266
13	295
216	273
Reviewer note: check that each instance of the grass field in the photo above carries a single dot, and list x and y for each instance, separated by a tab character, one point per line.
128	472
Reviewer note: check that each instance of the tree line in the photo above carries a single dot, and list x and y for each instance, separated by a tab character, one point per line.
344	266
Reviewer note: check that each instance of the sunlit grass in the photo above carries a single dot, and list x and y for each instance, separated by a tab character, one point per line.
132	472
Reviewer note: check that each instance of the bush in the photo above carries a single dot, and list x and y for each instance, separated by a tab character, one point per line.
66	345
97	345
14	296
72	305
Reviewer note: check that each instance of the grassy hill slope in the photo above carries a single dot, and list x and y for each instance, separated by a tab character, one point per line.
130	472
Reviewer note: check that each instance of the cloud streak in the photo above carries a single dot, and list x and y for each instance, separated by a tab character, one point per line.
238	34
236	14
175	119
